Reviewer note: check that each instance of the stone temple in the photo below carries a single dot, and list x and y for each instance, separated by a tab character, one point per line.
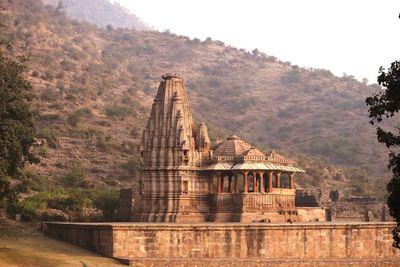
184	179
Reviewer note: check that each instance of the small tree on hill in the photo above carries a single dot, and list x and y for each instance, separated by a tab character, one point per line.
16	122
385	105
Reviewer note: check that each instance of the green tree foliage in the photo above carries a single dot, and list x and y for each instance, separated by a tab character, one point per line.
385	105
107	201
16	122
6	192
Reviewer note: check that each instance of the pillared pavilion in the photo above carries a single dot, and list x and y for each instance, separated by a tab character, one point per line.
184	179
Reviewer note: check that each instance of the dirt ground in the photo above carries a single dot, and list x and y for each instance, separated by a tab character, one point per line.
24	245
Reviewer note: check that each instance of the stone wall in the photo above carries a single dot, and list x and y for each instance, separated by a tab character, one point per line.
125	204
326	244
351	211
93	236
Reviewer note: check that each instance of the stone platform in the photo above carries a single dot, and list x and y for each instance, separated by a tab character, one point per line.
236	244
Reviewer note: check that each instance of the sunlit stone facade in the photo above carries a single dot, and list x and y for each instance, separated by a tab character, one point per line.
184	179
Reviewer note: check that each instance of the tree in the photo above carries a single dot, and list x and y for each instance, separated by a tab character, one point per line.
16	122
107	201
385	105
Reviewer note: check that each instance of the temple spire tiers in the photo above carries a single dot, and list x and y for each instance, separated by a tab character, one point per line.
172	150
184	179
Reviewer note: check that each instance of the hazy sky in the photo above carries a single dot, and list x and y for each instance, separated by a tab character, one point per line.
351	36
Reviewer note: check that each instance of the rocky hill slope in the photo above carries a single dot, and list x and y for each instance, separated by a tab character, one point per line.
100	12
93	89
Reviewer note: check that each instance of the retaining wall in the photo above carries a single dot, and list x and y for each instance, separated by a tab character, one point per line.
212	244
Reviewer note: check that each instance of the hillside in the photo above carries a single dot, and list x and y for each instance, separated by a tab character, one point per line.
93	89
100	12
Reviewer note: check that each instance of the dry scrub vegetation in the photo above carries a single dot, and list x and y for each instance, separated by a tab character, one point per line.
93	88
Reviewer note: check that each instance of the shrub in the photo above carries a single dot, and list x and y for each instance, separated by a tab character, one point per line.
107	201
69	201
359	181
6	192
116	111
136	131
293	76
49	94
75	176
101	143
49	135
75	117
132	166
28	207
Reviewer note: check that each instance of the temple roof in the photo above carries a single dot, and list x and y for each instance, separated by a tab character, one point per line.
233	146
265	166
236	154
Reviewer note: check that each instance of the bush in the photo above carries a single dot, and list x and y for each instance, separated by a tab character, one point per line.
359	181
75	200
132	166
107	201
6	192
35	181
75	176
295	76
75	117
52	205
49	94
117	111
101	142
49	135
28	207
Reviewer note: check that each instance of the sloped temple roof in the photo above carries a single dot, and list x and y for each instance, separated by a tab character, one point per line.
253	166
237	154
233	146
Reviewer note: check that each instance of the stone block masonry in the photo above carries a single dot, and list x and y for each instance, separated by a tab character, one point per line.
236	244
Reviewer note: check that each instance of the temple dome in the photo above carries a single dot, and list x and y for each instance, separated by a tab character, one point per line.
233	146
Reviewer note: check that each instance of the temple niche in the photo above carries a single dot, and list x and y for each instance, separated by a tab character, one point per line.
184	179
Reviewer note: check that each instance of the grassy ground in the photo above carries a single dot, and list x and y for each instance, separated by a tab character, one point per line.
24	245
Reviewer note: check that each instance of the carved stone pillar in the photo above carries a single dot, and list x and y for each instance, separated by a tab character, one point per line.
254	182
291	181
270	189
246	187
277	179
262	190
236	183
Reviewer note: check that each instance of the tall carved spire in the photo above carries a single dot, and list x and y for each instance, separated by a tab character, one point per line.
169	138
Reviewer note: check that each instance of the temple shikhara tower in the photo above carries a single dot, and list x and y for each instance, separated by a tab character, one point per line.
184	179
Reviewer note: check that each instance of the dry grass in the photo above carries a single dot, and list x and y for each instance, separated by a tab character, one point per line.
24	245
